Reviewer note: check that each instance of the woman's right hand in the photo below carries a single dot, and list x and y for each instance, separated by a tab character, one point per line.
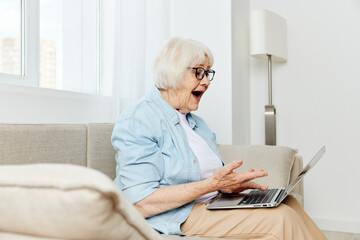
228	181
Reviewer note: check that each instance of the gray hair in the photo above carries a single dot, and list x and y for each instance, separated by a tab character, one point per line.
175	57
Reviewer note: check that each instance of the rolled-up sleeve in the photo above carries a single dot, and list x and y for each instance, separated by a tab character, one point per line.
139	160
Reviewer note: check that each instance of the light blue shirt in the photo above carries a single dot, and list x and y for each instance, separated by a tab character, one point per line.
152	151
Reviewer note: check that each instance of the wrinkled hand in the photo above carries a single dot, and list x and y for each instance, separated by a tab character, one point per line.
228	181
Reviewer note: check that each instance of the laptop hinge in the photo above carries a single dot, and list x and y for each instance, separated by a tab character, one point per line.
281	194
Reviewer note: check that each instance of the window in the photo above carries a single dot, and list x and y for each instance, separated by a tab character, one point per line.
52	44
10	37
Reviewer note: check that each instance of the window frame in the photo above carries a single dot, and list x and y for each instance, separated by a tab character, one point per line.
30	50
29	57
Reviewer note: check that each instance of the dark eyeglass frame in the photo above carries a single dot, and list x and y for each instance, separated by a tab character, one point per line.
205	72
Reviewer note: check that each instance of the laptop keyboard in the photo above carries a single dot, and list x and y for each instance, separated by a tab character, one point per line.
258	196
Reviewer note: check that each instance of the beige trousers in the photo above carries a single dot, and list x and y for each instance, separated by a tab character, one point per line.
287	221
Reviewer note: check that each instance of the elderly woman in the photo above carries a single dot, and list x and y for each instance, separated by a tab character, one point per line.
169	166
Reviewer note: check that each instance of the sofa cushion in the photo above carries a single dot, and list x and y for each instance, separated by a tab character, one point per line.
66	201
276	160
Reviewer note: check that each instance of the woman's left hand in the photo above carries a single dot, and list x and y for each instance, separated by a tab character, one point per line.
245	186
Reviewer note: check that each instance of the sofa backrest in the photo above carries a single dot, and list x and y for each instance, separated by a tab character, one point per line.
100	152
43	143
82	144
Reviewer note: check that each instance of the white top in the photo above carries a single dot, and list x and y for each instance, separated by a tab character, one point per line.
207	158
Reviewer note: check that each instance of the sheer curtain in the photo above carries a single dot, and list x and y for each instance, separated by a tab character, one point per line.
142	28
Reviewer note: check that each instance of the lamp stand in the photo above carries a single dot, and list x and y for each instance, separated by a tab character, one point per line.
270	111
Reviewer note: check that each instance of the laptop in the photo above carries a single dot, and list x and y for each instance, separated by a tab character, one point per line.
263	199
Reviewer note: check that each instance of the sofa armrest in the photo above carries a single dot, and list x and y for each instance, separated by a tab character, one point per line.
282	164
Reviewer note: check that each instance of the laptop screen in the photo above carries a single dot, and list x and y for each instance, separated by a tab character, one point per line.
306	169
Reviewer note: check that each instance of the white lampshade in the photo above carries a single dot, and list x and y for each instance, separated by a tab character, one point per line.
268	35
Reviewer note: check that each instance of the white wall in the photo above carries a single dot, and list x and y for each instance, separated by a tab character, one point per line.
240	72
317	100
20	104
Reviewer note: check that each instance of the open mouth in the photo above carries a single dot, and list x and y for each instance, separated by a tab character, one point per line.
197	94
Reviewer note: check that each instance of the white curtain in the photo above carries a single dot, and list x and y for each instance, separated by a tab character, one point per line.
142	29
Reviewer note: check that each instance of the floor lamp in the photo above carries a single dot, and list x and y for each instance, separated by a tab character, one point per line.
268	40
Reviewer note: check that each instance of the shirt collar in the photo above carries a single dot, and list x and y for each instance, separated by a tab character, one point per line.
191	120
168	110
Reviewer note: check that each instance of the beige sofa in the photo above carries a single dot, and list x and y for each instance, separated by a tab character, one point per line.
56	182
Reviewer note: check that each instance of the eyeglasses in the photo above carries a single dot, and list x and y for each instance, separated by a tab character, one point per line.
200	73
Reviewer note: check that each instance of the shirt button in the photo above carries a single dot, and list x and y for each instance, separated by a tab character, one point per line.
194	161
177	221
